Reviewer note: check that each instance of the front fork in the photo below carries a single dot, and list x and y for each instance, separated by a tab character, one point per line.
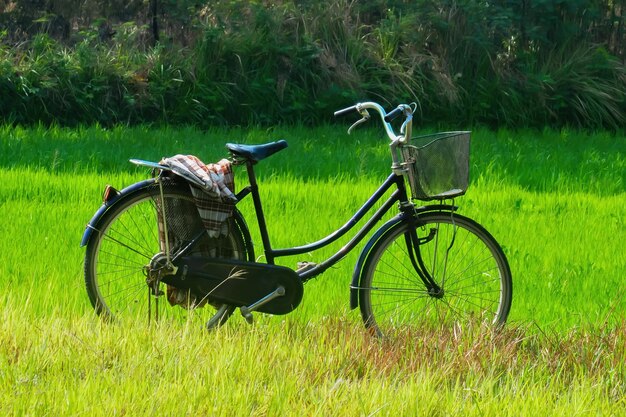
414	242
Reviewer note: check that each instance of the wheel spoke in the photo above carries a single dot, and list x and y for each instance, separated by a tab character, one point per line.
462	258
129	238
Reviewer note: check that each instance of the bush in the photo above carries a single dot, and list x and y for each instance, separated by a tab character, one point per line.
497	63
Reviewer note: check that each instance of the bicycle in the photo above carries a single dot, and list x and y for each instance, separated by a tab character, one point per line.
426	265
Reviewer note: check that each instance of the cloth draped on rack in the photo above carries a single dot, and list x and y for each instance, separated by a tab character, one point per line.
212	187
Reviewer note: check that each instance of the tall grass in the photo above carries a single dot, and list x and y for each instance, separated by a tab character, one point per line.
76	366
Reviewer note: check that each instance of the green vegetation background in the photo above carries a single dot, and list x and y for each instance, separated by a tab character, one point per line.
524	74
504	63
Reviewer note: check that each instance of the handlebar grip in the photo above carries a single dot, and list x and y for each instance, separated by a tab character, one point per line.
393	114
345	111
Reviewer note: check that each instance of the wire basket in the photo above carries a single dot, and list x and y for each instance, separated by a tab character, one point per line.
438	165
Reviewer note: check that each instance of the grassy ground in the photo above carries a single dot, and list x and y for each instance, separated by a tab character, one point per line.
555	201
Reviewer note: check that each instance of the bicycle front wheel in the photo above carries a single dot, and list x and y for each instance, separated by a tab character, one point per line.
129	241
471	273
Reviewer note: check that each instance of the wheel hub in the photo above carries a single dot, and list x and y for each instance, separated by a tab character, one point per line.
157	268
436	292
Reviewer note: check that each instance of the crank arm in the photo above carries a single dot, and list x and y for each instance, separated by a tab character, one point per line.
246	312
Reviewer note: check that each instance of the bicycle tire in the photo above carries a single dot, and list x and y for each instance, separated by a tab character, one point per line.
127	238
462	257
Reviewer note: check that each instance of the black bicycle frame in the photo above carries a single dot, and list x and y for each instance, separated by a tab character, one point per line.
398	196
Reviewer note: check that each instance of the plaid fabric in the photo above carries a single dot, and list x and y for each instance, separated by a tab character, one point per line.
211	187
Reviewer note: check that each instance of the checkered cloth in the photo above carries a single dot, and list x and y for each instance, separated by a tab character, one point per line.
211	187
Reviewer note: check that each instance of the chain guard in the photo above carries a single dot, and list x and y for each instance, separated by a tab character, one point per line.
237	283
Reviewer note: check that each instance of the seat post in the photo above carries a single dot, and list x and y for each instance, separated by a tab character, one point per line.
258	208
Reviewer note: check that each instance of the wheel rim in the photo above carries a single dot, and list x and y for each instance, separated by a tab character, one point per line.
465	264
125	247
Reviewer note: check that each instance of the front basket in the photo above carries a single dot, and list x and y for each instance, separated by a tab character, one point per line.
438	165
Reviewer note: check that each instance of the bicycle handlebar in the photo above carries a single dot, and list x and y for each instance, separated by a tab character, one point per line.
345	111
387	118
393	114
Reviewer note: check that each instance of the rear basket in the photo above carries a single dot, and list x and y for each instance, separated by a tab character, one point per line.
438	165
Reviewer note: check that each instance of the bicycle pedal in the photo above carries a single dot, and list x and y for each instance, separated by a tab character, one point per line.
305	266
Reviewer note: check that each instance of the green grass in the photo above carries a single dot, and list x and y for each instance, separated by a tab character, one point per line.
325	368
554	200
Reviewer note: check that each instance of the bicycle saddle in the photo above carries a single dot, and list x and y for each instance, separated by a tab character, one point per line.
256	152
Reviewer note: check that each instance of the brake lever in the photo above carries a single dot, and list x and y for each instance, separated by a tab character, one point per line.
365	118
408	119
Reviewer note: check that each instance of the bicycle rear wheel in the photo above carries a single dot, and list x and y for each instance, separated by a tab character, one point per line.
463	259
128	240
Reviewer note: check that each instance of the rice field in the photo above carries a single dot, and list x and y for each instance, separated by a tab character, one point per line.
554	200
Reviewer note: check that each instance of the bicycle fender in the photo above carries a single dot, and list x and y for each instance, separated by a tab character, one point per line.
358	268
89	229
